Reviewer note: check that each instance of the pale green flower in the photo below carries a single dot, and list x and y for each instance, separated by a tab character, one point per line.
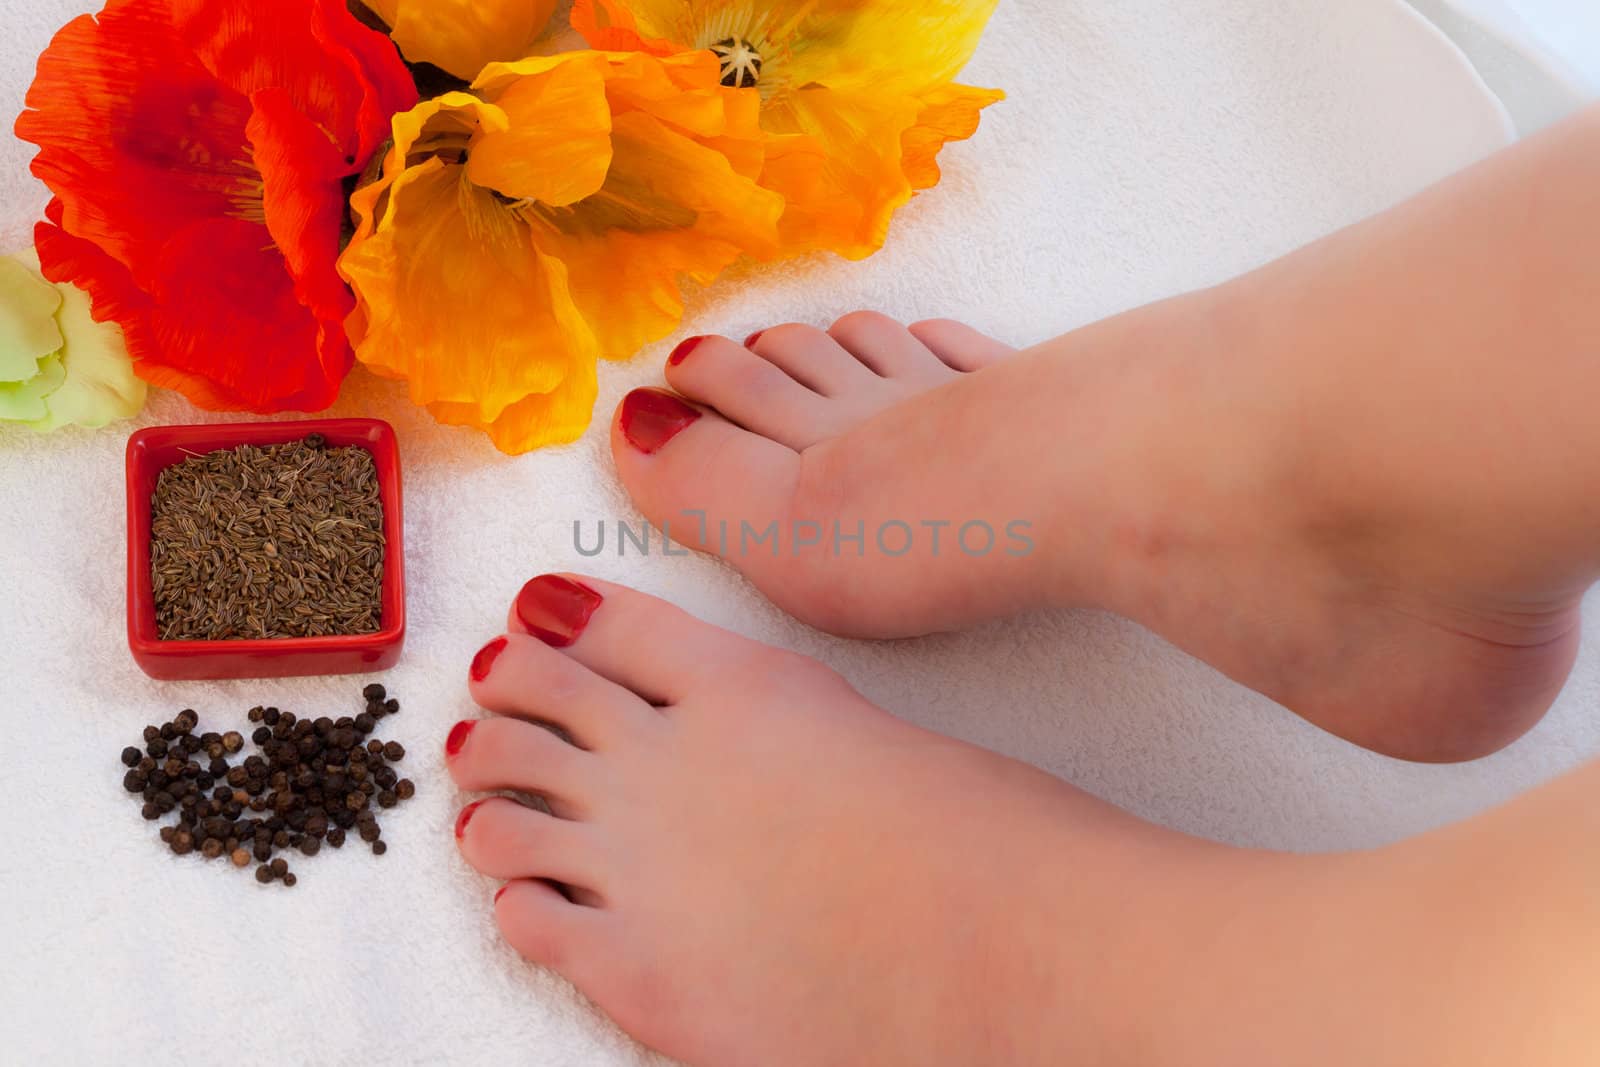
58	367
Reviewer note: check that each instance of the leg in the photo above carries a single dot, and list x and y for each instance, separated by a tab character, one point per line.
751	864
1356	480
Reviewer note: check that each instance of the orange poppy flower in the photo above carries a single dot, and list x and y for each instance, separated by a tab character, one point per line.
521	231
857	95
196	152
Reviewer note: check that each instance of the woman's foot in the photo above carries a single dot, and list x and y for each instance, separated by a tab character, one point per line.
747	863
879	481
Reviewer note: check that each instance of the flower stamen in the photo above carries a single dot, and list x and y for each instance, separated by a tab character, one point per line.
741	62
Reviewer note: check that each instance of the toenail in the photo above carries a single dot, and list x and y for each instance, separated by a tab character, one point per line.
750	342
466	816
651	418
483	662
458	736
681	353
556	610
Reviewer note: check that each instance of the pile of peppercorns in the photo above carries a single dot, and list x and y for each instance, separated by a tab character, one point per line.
312	782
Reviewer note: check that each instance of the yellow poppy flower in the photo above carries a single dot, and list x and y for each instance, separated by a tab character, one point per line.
520	232
464	36
858	95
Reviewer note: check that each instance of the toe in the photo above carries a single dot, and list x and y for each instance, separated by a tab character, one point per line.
525	678
640	642
546	928
811	356
751	391
689	469
889	349
959	346
504	839
484	755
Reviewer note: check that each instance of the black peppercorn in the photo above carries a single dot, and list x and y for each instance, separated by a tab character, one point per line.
232	741
186	720
379	848
374	692
370	831
290	880
157	748
211	848
134	782
131	756
394	752
264	874
151	733
405	789
254	714
182	843
391	706
336	837
151	811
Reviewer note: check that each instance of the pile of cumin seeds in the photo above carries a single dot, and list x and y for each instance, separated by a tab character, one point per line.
259	543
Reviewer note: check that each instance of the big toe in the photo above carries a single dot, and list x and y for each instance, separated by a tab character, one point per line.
708	484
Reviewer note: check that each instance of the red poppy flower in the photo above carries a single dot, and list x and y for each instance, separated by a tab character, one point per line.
197	150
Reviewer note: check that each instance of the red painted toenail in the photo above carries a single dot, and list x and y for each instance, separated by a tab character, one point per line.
458	737
466	816
750	342
483	662
498	893
556	609
651	418
682	352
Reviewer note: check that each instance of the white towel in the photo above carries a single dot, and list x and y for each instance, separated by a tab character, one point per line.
1147	147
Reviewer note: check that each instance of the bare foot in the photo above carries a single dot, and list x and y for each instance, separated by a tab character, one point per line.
879	481
748	863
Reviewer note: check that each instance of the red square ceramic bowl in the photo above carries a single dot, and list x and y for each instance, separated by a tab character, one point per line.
152	451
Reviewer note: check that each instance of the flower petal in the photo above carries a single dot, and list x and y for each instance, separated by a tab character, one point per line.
555	418
836	159
556	147
464	36
881	46
28	330
24	401
303	200
949	113
610	25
